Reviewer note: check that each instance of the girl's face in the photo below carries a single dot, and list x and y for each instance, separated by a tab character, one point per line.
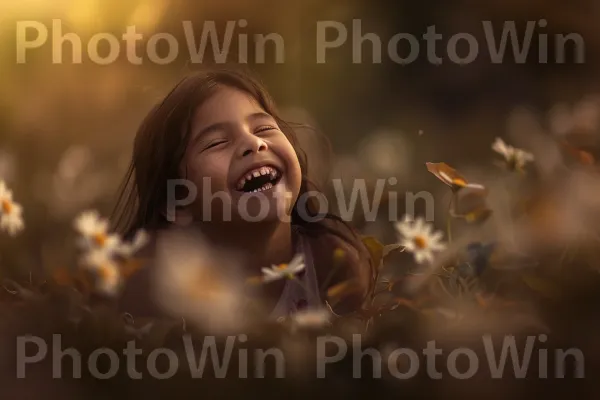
239	160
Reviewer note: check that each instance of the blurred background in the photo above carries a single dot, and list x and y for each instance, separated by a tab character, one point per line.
66	130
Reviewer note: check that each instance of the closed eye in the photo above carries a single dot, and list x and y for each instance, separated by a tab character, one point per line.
265	128
215	143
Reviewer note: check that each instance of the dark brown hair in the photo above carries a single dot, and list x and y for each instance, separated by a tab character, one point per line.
159	147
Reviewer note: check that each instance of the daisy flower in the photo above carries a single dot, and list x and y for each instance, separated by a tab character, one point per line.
284	270
140	239
94	231
515	158
418	238
102	248
108	274
109	279
10	212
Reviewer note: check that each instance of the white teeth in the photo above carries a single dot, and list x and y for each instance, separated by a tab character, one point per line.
266	186
272	172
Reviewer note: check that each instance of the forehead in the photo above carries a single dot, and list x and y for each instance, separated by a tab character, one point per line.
227	104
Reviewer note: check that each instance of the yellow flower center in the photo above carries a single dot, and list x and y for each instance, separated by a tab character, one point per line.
420	242
7	206
281	266
106	272
100	239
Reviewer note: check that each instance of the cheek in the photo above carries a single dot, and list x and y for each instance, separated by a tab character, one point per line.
294	173
208	170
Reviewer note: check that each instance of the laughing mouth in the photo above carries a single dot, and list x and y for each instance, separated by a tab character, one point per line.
259	179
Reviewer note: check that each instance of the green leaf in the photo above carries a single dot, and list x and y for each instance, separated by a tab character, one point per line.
375	249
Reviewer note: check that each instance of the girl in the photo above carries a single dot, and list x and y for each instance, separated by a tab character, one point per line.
216	147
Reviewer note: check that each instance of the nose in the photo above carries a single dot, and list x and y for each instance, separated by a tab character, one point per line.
251	143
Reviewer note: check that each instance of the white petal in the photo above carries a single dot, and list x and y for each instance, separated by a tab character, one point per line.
437	246
526	156
95	258
436	236
500	147
12	223
112	242
427	230
5	192
409	245
140	239
420	257
270	272
297	268
297	260
418	227
271	277
90	223
475	186
427	255
408	219
405	229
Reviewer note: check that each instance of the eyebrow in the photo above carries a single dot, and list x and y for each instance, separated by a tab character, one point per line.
223	125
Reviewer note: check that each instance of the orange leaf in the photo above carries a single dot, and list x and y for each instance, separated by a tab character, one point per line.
447	174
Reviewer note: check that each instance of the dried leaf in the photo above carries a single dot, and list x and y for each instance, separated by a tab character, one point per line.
450	176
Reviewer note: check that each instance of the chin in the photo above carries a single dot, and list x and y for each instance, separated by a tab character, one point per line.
257	208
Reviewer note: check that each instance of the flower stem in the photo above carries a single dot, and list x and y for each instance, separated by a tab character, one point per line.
449	217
